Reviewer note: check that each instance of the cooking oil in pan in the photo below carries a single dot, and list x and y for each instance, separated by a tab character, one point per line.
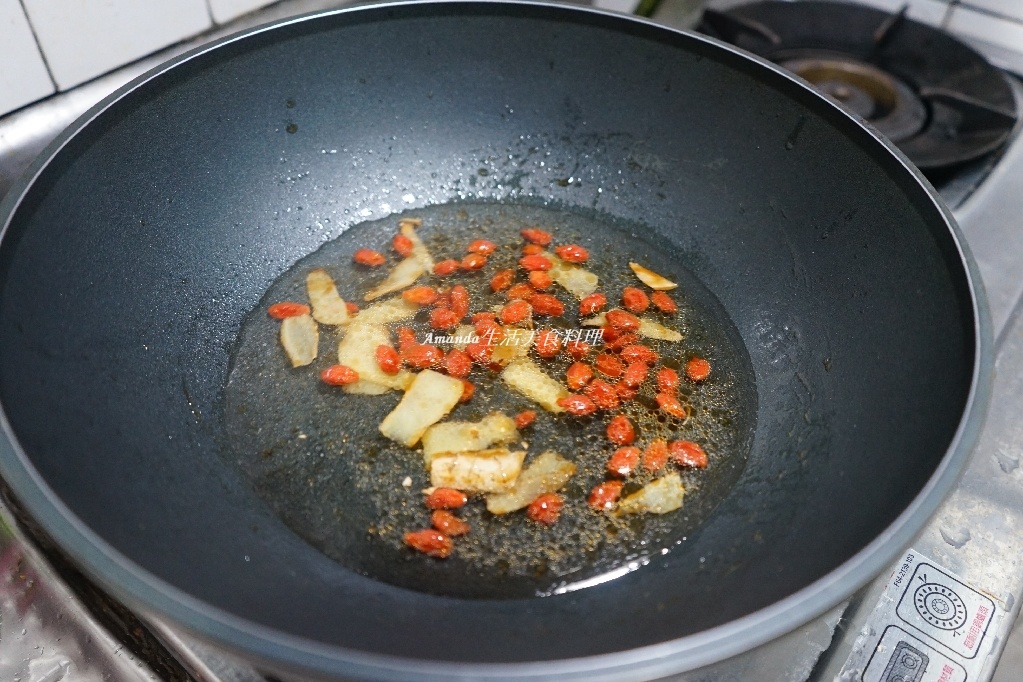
315	456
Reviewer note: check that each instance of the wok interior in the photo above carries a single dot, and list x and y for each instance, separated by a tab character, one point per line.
129	265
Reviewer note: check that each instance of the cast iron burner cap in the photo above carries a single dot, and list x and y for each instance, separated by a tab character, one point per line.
934	97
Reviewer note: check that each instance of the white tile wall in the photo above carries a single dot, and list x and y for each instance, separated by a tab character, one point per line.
987	28
85	38
23	76
1006	8
224	11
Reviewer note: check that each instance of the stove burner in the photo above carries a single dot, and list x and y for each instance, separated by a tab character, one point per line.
938	100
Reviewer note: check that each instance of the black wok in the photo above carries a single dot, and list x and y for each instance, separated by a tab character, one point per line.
135	247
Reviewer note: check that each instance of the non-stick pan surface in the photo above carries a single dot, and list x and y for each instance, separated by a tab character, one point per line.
132	254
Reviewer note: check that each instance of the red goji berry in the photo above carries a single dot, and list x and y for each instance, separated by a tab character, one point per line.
697	369
388	359
604	496
540	280
656	455
521	291
448	523
602	394
669	403
572	253
420	295
443	318
406	337
460	301
468	390
546	508
339	375
430	542
546	304
619	341
622	321
525	418
637	353
457	363
667	379
663	302
280	311
421	356
537	236
635	300
352	308
446	267
608	365
480	317
578	405
473	261
480	352
515	312
403	245
578	375
535	262
547	344
501	280
592	304
481	246
620	430
625	393
446	498
635	374
624	461
688	454
369	257
532	249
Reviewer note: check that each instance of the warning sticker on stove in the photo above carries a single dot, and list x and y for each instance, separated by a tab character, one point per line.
930	626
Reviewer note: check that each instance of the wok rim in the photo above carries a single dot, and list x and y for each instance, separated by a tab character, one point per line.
275	649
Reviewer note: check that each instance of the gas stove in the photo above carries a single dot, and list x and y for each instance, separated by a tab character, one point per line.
944	612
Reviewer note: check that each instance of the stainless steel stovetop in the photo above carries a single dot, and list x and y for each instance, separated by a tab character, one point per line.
958	592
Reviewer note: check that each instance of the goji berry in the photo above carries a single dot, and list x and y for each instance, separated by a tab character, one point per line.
663	302
537	236
388	359
446	267
625	393
280	311
619	341
339	375
656	455
531	249
480	352
430	542
578	375
446	498
547	344
448	523
473	261
484	316
546	304
443	318
406	337
634	374
525	418
421	356
457	363
638	353
620	430
579	405
540	280
592	304
403	245
535	262
546	508
352	308
635	300
501	280
573	253
622	321
697	369
604	496
521	291
667	379
602	394
608	365
624	461
489	331
468	389
369	257
670	404
420	295
481	246
688	454
459	301
577	349
515	312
